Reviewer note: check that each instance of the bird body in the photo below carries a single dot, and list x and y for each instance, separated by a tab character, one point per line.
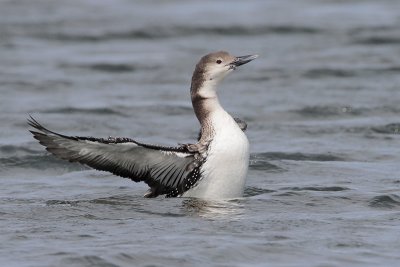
215	167
224	171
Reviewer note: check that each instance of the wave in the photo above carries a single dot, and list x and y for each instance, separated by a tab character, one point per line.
12	150
392	128
39	162
86	260
180	31
251	191
166	109
375	35
341	110
107	67
328	111
116	200
326	72
317	188
322	72
297	156
74	110
113	67
260	162
378	40
385	201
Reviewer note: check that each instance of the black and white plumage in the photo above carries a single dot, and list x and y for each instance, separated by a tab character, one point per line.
193	170
167	170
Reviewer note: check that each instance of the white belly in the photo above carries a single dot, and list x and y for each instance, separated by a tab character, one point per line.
225	170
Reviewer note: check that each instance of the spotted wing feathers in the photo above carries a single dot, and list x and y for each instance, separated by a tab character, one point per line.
167	170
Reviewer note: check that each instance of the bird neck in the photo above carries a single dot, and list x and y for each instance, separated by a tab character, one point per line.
205	100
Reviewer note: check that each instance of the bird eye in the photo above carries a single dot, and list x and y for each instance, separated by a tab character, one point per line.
219	61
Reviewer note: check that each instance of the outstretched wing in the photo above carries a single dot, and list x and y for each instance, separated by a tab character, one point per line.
167	170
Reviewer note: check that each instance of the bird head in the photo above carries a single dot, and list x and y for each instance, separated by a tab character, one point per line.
213	68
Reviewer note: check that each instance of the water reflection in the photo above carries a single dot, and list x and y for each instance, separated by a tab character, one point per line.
214	209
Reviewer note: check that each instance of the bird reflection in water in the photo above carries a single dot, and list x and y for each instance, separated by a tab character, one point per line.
214	209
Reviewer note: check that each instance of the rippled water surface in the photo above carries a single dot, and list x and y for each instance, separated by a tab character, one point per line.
322	103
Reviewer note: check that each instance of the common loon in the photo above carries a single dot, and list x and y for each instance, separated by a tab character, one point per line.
213	168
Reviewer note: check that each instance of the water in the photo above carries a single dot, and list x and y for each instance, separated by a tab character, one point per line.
321	103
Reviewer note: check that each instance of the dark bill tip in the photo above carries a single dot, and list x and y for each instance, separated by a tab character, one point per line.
243	60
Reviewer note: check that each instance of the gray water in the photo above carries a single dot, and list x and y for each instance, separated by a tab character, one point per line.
322	103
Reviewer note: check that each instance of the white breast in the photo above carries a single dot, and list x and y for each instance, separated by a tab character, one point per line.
224	172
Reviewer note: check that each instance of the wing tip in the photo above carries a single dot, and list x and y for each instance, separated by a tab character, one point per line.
43	130
35	124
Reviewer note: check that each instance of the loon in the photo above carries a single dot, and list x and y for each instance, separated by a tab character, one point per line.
215	167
